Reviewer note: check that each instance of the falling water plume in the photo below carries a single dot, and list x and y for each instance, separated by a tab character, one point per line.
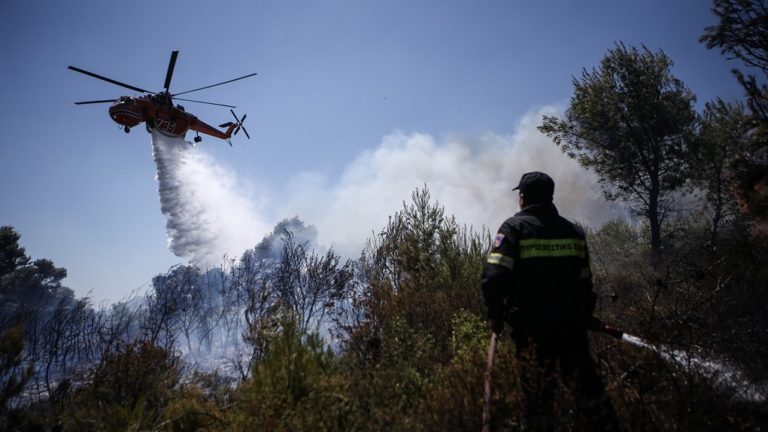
207	214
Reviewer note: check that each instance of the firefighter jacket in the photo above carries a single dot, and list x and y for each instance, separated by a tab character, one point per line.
537	275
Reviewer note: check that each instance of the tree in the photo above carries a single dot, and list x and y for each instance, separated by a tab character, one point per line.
180	294
743	34
309	283
129	392
722	137
286	382
630	121
24	282
296	282
416	274
12	255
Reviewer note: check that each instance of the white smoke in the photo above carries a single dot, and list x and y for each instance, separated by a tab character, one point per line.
209	213
472	177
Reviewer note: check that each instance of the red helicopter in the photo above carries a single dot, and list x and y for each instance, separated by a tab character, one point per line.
159	113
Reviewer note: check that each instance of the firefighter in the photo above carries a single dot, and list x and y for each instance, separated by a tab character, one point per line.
537	280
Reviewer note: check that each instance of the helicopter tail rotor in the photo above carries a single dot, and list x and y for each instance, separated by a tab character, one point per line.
239	123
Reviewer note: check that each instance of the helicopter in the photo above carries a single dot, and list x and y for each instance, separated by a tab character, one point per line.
157	110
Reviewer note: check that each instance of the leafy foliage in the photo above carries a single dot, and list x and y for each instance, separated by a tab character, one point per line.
129	390
420	270
722	139
286	378
27	286
630	121
403	343
742	33
702	302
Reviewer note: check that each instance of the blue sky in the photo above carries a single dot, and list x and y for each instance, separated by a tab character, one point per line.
346	91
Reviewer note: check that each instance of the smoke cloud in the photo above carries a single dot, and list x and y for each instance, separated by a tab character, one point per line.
210	214
472	177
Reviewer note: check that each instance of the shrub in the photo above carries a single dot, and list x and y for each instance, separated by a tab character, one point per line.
130	389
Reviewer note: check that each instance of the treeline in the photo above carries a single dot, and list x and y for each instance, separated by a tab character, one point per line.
214	348
394	340
289	338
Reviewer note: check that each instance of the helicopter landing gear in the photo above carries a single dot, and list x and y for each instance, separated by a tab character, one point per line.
198	138
126	129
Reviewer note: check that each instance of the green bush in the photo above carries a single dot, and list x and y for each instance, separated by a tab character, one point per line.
128	390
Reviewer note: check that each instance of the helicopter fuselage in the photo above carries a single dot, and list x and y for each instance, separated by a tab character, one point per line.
160	115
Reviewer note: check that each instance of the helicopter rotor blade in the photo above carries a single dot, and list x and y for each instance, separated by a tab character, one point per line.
96	101
214	85
246	132
169	73
209	103
109	80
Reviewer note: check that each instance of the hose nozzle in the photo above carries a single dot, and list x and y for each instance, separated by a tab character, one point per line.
599	326
612	331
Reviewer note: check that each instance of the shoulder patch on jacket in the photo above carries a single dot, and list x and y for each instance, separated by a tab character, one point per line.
497	241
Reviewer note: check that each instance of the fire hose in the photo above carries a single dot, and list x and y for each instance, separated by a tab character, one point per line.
487	385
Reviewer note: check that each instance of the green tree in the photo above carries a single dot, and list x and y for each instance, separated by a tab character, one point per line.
128	390
285	381
12	255
420	270
742	33
27	286
722	137
629	120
